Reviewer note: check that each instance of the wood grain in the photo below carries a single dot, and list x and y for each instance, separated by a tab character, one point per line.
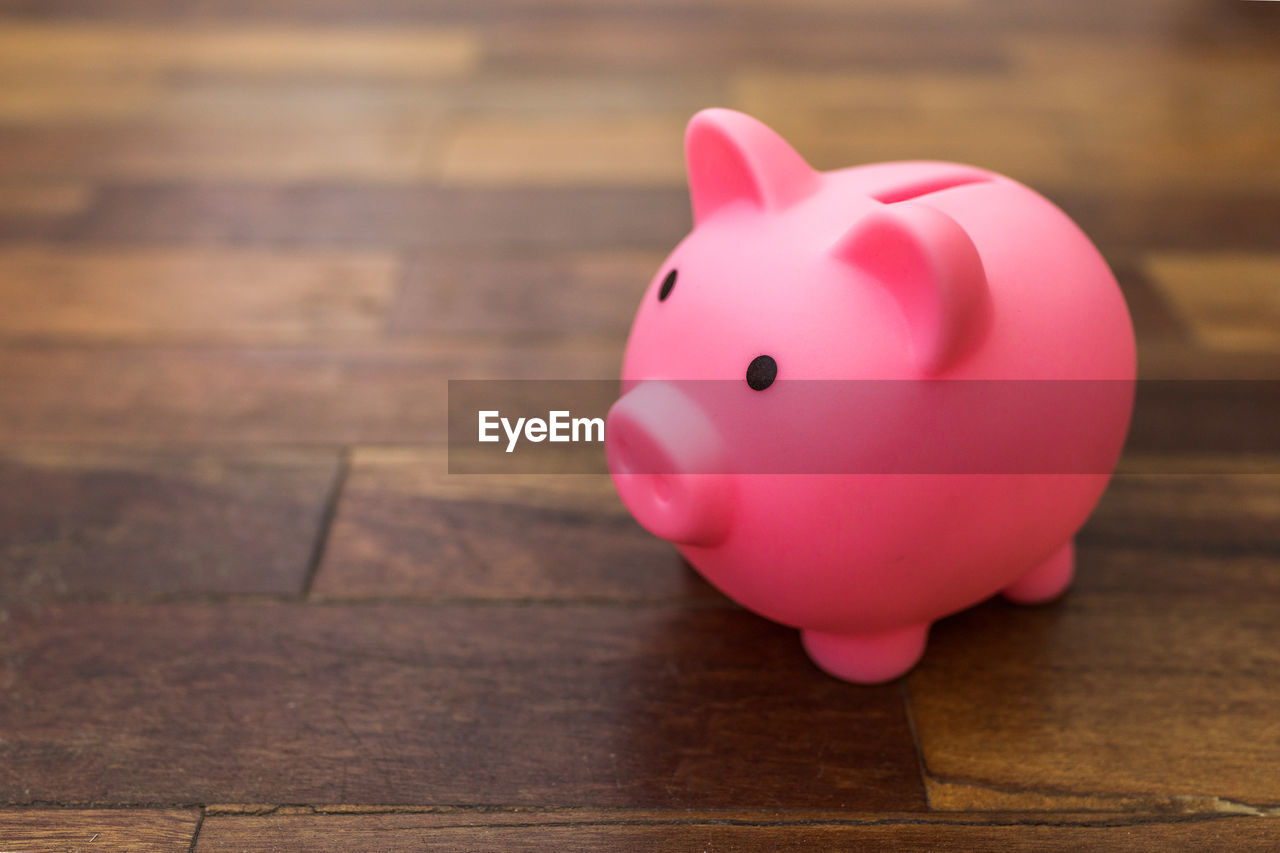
328	215
35	100
531	292
567	705
1057	120
84	830
1225	506
325	148
1206	416
407	528
178	394
567	152
259	49
130	522
396	11
38	198
681	38
1153	318
40	99
192	295
1160	699
1132	220
1229	301
540	95
1148	687
715	831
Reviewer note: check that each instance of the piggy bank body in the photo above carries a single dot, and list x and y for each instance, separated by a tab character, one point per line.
879	290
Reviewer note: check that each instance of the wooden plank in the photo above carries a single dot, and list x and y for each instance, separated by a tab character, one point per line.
1053	123
428	217
1138	21
686	831
1155	62
844	118
35	99
1242	572
1130	220
192	294
1228	506
531	95
1151	685
576	292
1229	300
62	830
1208	416
685	40
332	395
84	522
204	99
628	150
326	148
110	293
545	93
38	198
405	527
479	11
1181	361
261	49
656	706
1153	318
963	19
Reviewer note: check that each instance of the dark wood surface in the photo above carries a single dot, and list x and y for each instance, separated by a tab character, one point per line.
243	605
587	831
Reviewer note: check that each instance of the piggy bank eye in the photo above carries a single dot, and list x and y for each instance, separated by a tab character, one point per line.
761	372
667	283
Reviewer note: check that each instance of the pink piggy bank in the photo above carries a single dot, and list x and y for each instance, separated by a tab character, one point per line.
858	401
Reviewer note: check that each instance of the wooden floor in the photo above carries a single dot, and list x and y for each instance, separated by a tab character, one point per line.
244	244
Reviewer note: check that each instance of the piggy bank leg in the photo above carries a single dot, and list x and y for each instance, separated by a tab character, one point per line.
1046	581
867	658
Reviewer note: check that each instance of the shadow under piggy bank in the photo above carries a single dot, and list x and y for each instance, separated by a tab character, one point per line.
724	710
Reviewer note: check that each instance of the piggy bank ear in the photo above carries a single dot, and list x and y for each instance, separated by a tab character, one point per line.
927	261
731	157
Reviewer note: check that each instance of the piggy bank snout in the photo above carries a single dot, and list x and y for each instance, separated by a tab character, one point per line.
669	465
